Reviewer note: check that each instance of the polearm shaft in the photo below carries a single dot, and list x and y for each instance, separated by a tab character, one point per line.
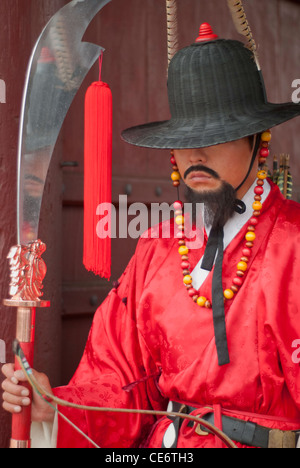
27	273
25	333
21	423
58	65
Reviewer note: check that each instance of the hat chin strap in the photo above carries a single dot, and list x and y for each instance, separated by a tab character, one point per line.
256	147
240	206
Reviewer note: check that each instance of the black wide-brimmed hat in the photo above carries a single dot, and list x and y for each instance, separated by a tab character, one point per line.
216	95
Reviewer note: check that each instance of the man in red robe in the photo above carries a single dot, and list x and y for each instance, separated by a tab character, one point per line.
159	342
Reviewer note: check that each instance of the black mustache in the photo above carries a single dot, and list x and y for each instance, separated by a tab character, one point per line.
202	169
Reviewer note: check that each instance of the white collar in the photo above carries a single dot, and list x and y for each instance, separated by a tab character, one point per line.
231	230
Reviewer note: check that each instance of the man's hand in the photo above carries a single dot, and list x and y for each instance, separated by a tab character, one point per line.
15	396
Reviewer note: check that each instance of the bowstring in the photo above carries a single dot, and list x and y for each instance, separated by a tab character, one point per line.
46	396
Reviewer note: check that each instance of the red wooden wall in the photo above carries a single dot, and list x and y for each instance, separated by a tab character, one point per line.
133	33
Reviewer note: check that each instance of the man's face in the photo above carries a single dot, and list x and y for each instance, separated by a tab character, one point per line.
229	161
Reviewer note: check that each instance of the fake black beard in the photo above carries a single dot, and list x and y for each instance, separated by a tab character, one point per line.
219	204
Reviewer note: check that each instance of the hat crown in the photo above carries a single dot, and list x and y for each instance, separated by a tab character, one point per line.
216	95
213	80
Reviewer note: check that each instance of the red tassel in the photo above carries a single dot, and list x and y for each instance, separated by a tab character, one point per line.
97	175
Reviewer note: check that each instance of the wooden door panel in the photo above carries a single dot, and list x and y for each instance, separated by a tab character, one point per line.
135	66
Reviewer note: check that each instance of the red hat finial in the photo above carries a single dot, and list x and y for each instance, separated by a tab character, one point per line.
206	33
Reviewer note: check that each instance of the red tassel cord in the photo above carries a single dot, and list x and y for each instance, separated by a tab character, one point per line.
97	175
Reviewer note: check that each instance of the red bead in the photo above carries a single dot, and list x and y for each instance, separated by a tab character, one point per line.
259	190
246	252
185	265
256	213
238	281
192	292
178	205
264	152
173	160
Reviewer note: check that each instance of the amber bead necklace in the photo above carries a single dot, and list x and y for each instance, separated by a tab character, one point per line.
250	237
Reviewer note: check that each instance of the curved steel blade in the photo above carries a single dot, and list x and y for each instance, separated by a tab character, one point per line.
57	67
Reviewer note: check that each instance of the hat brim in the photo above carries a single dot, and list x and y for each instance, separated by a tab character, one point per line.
191	133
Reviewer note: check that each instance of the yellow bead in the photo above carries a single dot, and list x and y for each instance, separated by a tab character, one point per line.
228	294
250	236
257	206
242	266
201	301
179	219
262	175
188	279
175	176
266	136
183	250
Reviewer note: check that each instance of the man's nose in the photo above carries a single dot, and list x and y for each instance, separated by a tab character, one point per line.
197	156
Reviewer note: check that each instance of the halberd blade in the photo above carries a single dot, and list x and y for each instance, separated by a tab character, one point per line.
56	70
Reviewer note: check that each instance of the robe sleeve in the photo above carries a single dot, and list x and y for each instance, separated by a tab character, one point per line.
115	357
281	310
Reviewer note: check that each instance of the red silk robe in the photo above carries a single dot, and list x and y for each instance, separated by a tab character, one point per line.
149	331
